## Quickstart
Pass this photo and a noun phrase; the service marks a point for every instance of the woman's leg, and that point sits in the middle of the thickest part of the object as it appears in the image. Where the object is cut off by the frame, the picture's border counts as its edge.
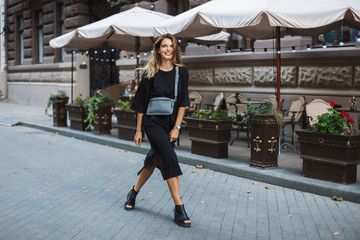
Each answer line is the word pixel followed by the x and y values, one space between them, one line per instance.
pixel 144 176
pixel 174 186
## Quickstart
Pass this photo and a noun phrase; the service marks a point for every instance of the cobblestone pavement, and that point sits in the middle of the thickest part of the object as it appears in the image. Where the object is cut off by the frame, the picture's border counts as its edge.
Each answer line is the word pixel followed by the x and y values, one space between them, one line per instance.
pixel 56 187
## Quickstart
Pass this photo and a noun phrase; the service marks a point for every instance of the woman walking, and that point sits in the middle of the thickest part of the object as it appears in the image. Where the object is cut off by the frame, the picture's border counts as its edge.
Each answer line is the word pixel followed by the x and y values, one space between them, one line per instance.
pixel 159 80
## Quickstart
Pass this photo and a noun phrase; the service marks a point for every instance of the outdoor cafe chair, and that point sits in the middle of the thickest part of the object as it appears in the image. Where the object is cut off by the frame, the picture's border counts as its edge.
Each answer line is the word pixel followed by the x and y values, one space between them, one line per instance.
pixel 295 112
pixel 234 104
pixel 195 102
pixel 294 116
pixel 217 104
pixel 272 99
pixel 315 108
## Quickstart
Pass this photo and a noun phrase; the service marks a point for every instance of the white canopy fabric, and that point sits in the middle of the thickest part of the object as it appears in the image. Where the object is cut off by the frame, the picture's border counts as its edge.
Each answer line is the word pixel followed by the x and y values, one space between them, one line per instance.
pixel 257 19
pixel 121 31
pixel 263 19
pixel 213 39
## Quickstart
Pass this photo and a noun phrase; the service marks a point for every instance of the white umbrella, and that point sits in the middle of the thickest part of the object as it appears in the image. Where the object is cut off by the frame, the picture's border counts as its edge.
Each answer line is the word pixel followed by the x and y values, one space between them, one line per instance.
pixel 213 39
pixel 262 19
pixel 131 30
pixel 120 30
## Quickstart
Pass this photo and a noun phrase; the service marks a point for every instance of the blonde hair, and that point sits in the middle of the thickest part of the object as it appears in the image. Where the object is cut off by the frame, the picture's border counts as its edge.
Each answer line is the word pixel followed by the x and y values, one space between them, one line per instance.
pixel 154 63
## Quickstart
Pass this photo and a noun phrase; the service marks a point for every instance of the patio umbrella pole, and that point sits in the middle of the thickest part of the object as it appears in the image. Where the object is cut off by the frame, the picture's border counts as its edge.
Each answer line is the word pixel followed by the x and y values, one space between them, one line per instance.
pixel 278 73
pixel 72 75
pixel 137 42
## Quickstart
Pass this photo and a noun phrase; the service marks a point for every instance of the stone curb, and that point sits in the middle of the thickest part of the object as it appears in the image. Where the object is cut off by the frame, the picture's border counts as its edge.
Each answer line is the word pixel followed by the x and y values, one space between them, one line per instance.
pixel 273 176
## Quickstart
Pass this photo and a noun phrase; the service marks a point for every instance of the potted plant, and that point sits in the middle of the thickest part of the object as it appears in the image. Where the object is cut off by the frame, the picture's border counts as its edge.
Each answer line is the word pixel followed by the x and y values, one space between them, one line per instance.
pixel 58 102
pixel 330 149
pixel 99 113
pixel 266 123
pixel 126 120
pixel 77 114
pixel 209 133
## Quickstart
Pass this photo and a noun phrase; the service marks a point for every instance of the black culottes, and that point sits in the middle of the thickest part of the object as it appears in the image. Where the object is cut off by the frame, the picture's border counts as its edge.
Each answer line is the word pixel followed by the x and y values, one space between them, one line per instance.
pixel 157 129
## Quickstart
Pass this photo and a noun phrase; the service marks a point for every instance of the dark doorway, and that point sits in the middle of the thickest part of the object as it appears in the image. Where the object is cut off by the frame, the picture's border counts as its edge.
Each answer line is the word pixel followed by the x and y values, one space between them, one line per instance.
pixel 103 70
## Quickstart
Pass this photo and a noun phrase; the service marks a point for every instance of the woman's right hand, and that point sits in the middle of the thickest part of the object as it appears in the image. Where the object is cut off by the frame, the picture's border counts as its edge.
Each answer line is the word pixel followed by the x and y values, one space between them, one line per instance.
pixel 138 138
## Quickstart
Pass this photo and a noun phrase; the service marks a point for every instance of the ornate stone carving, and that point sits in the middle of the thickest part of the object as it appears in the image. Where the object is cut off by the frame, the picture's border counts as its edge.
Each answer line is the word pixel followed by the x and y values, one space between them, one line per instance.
pixel 289 76
pixel 126 76
pixel 201 76
pixel 357 77
pixel 234 75
pixel 266 76
pixel 326 77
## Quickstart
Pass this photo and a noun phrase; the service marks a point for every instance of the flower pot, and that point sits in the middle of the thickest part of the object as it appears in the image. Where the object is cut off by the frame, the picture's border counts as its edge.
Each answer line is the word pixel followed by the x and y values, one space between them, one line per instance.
pixel 329 157
pixel 77 115
pixel 103 119
pixel 208 137
pixel 59 112
pixel 264 141
pixel 126 124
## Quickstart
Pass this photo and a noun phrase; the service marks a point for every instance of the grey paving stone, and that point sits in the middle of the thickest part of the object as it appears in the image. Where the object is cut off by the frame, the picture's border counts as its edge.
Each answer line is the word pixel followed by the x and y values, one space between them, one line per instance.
pixel 76 190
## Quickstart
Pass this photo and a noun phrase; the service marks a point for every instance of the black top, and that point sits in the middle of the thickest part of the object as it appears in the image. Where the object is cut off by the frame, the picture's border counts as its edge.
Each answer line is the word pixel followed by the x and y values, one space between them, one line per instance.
pixel 162 85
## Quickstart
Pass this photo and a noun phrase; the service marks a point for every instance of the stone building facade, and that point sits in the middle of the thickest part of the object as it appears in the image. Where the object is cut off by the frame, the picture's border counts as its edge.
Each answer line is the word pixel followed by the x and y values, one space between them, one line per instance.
pixel 35 69
pixel 3 72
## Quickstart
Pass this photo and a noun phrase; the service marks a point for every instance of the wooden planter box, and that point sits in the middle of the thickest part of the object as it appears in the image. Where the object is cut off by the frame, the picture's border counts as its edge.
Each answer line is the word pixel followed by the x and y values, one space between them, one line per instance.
pixel 126 124
pixel 77 115
pixel 329 157
pixel 59 113
pixel 208 137
pixel 103 118
pixel 264 141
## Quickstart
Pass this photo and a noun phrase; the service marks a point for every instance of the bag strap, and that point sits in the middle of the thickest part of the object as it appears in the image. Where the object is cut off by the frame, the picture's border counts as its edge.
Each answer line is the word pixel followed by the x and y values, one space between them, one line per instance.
pixel 176 83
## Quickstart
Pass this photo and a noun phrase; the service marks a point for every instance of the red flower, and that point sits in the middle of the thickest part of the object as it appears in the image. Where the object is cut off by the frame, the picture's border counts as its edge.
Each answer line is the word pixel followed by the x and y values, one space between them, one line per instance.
pixel 332 103
pixel 343 114
pixel 350 120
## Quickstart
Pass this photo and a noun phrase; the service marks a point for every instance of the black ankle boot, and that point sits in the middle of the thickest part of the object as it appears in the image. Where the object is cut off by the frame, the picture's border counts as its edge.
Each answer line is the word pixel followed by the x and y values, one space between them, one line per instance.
pixel 181 216
pixel 131 199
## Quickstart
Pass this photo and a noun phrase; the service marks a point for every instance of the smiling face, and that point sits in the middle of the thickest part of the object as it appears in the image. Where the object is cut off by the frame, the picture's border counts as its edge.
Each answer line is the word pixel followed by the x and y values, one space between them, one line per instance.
pixel 166 49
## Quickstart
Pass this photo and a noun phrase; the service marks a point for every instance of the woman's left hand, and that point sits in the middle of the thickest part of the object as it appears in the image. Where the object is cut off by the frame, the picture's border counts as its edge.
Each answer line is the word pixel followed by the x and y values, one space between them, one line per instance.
pixel 174 134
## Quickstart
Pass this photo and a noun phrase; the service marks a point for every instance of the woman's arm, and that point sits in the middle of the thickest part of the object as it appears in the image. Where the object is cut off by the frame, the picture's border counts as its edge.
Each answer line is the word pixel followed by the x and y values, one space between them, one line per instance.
pixel 138 135
pixel 174 133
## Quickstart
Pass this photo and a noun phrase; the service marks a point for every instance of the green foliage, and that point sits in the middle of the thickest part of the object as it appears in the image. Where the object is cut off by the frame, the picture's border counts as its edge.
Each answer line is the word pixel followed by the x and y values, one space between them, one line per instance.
pixel 92 104
pixel 206 114
pixel 55 98
pixel 266 107
pixel 124 105
pixel 79 101
pixel 332 122
pixel 250 111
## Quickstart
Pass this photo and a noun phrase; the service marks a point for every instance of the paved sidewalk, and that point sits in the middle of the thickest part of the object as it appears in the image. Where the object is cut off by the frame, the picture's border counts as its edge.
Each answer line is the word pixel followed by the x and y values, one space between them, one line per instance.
pixel 58 187
pixel 288 174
